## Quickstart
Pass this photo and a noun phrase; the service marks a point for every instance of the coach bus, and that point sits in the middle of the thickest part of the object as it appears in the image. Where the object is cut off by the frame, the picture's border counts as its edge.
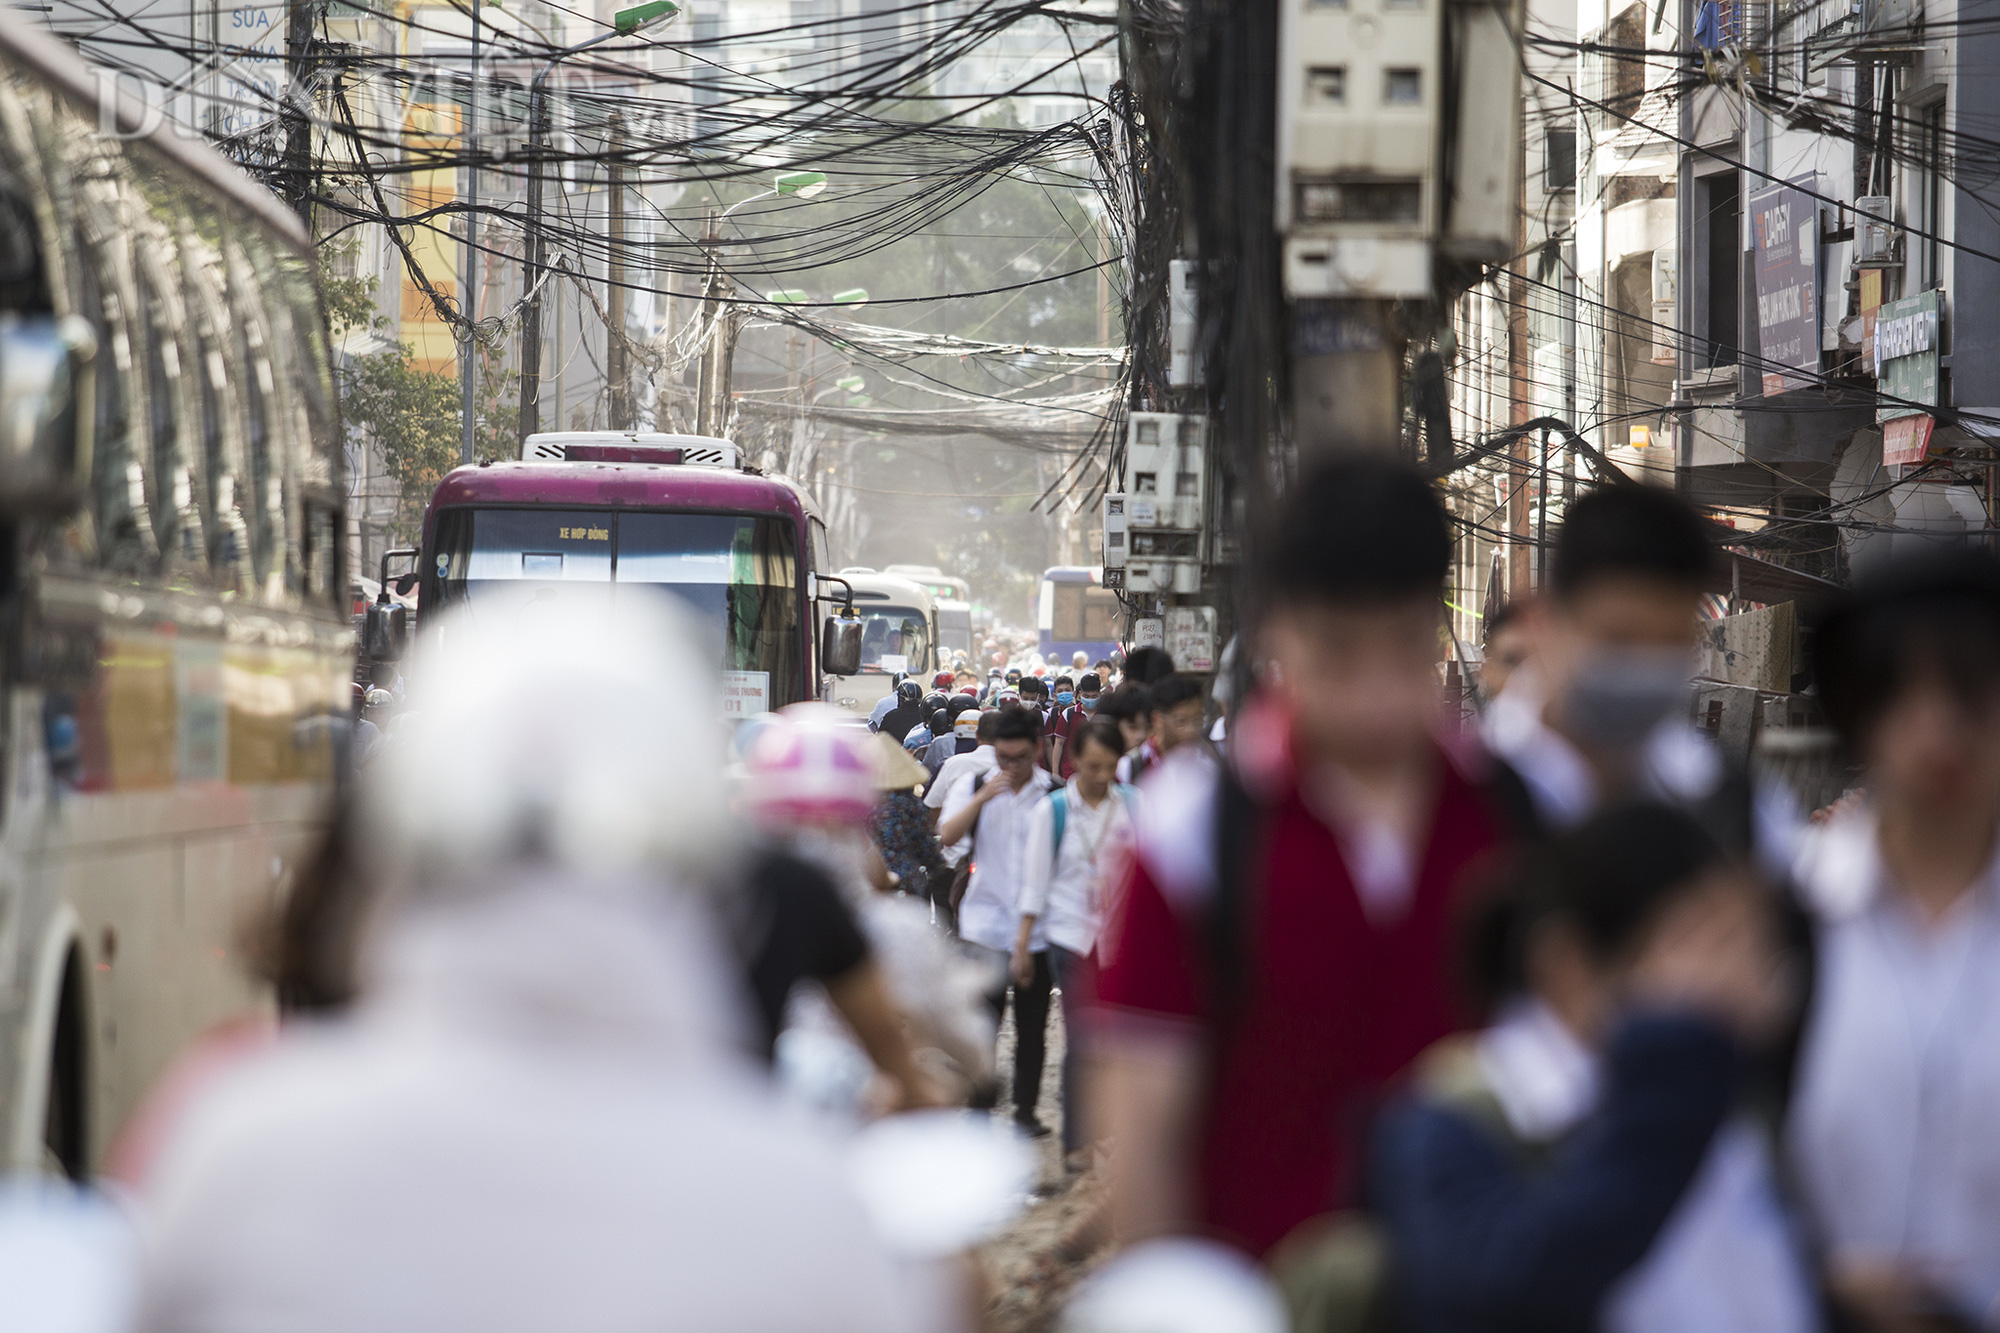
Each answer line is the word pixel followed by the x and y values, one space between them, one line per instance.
pixel 178 644
pixel 899 637
pixel 1076 614
pixel 945 587
pixel 652 513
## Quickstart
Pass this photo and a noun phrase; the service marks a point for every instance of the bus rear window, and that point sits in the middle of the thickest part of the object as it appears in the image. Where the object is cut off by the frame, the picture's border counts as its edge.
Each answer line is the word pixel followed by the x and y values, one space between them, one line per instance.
pixel 1083 614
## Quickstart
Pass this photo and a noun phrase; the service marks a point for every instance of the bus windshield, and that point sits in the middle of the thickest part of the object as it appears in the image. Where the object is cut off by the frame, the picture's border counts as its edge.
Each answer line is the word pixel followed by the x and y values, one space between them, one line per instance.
pixel 893 638
pixel 739 573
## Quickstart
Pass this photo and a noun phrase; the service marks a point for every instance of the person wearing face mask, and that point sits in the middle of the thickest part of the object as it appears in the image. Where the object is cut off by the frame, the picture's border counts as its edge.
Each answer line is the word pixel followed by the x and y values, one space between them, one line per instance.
pixel 1600 709
pixel 1070 718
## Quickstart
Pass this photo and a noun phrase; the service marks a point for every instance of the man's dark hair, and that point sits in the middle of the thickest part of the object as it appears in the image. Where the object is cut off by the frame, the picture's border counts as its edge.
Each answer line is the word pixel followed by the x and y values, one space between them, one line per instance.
pixel 1173 691
pixel 1099 732
pixel 1102 667
pixel 1090 681
pixel 989 723
pixel 1064 682
pixel 1936 613
pixel 1127 701
pixel 1147 665
pixel 1016 723
pixel 1365 530
pixel 1646 531
pixel 1510 613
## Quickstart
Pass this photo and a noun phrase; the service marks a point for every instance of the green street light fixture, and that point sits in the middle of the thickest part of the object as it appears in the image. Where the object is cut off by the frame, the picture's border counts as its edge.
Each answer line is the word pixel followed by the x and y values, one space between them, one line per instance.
pixel 638 16
pixel 804 184
pixel 851 383
pixel 852 296
pixel 624 23
pixel 790 296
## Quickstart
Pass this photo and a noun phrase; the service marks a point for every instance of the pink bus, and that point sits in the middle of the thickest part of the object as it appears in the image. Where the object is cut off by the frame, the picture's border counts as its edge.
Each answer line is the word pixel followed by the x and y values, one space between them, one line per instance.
pixel 647 514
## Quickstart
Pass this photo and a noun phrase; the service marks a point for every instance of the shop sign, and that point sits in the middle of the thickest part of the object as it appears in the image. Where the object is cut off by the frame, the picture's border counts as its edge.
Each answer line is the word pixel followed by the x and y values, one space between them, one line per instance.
pixel 1906 355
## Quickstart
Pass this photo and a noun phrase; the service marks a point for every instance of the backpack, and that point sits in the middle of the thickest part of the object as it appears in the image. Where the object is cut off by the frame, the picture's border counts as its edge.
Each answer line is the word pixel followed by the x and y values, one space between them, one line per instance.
pixel 1060 809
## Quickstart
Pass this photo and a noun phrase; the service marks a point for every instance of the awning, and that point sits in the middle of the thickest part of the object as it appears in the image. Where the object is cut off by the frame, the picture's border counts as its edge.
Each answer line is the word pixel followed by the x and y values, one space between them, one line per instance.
pixel 1753 579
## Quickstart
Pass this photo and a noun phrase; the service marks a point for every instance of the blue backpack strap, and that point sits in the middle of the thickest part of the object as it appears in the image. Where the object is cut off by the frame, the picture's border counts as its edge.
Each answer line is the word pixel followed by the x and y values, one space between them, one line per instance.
pixel 1059 807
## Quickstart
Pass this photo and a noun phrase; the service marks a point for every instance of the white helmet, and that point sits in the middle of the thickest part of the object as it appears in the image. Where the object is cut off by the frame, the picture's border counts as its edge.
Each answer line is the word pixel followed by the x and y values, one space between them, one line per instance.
pixel 572 737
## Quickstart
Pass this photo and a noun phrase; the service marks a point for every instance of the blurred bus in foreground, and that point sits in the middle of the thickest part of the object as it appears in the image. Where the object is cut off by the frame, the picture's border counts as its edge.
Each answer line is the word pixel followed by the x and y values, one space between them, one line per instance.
pixel 176 671
pixel 898 638
pixel 620 514
pixel 1075 613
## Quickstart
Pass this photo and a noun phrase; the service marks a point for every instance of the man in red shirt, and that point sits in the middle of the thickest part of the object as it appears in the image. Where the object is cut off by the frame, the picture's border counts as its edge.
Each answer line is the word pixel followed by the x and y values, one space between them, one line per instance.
pixel 1283 948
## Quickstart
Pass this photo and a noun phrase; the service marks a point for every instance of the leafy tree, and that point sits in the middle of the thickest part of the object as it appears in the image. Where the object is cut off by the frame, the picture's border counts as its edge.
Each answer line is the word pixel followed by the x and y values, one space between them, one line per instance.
pixel 410 415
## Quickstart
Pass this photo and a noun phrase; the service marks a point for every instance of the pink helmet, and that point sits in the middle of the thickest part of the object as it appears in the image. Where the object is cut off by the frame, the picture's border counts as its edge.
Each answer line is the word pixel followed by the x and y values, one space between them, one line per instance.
pixel 811 765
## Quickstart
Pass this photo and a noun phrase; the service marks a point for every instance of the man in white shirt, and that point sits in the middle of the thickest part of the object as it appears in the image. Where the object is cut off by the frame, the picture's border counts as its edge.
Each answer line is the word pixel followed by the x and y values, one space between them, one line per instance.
pixel 994 810
pixel 1067 875
pixel 1895 1123
pixel 958 772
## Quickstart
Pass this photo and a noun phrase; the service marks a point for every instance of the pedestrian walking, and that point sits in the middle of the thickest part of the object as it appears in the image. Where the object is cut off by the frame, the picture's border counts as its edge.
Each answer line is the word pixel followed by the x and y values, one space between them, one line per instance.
pixel 1283 948
pixel 1078 841
pixel 1599 711
pixel 1895 1124
pixel 1583 1162
pixel 994 811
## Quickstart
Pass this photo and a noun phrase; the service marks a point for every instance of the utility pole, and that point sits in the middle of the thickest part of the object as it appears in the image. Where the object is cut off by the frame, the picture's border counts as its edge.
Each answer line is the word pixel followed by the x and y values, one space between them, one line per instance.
pixel 617 368
pixel 1397 160
pixel 468 302
pixel 295 113
pixel 537 257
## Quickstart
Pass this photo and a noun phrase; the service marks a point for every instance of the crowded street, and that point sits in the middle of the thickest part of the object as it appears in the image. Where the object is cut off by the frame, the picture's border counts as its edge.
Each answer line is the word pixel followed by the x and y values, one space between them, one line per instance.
pixel 986 666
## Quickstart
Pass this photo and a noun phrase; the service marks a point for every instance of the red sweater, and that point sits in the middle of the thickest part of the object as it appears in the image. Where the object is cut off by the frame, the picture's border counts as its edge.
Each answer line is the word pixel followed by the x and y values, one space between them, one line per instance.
pixel 1334 1006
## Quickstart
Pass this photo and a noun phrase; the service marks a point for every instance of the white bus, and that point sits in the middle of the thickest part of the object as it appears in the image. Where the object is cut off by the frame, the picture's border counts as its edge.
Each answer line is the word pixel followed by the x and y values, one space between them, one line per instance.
pixel 171 516
pixel 898 638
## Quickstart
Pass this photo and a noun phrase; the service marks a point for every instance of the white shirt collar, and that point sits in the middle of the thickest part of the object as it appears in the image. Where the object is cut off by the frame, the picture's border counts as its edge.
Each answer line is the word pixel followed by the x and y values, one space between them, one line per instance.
pixel 1545 1079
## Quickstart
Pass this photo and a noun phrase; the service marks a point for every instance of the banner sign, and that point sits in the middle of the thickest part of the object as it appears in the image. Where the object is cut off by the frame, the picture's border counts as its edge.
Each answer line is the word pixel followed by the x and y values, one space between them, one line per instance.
pixel 1907 439
pixel 1906 355
pixel 1787 222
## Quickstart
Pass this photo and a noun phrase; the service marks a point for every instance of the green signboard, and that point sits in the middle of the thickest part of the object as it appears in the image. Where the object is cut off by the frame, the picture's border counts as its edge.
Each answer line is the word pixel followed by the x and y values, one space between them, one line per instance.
pixel 1906 355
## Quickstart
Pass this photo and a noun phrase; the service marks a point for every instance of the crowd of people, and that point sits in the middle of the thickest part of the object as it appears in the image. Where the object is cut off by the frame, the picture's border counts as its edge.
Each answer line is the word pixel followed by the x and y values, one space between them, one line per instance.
pixel 1564 1019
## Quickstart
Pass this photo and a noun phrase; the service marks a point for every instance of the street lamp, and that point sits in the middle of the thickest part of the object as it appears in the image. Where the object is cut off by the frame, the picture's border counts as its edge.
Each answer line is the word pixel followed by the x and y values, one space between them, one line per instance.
pixel 624 23
pixel 712 390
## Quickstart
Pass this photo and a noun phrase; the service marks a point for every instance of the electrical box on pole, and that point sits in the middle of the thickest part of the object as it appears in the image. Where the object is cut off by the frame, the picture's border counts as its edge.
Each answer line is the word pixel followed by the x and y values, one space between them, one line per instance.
pixel 1166 511
pixel 1184 366
pixel 1481 152
pixel 1360 87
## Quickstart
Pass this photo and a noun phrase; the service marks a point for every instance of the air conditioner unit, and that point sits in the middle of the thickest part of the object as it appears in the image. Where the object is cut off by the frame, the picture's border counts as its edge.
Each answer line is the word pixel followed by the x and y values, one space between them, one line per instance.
pixel 1874 235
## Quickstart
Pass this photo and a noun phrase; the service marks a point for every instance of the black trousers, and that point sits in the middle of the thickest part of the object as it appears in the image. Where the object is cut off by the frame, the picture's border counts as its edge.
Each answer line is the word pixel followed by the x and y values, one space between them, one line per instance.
pixel 1031 1033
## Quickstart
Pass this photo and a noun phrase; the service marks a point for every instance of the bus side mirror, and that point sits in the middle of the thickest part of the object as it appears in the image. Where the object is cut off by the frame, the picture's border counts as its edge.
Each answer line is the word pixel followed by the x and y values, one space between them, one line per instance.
pixel 840 646
pixel 46 410
pixel 385 632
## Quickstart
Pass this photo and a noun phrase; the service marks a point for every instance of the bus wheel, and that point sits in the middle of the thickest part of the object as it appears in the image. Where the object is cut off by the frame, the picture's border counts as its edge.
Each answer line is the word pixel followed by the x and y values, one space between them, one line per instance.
pixel 65 1141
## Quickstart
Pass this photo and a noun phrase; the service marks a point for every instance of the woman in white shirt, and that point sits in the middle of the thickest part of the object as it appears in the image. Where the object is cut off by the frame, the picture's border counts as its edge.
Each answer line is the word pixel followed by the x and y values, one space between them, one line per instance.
pixel 1076 841
pixel 1896 1121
